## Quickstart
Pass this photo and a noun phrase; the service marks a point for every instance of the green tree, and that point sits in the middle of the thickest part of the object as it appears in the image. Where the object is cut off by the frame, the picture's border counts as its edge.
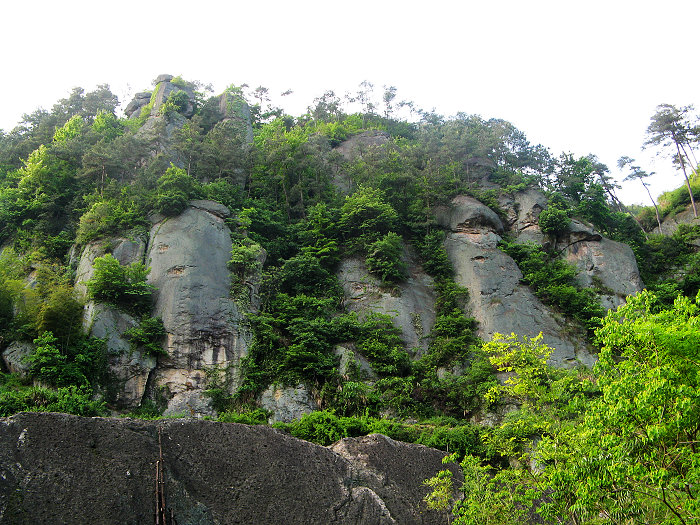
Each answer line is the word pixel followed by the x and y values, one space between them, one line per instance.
pixel 385 258
pixel 670 129
pixel 123 286
pixel 637 173
pixel 634 457
pixel 175 189
pixel 365 215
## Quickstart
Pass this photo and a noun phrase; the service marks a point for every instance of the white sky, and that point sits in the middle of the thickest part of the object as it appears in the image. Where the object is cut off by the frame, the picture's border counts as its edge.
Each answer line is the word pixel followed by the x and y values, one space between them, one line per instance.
pixel 578 76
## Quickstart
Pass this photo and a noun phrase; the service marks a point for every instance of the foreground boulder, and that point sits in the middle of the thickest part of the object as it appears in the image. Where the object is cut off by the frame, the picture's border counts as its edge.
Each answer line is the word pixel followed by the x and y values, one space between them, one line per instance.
pixel 58 468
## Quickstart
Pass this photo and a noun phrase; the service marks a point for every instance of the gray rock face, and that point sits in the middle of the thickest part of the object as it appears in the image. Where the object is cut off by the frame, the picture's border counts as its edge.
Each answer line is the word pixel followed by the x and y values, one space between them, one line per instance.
pixel 412 307
pixel 287 403
pixel 348 359
pixel 394 470
pixel 129 368
pixel 13 357
pixel 133 109
pixel 361 143
pixel 608 266
pixel 499 301
pixel 527 206
pixel 66 469
pixel 468 215
pixel 670 224
pixel 235 110
pixel 188 256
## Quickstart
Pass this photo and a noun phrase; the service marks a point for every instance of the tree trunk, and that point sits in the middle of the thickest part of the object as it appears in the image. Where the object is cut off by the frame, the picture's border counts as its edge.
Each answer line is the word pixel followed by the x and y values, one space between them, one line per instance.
pixel 687 181
pixel 656 208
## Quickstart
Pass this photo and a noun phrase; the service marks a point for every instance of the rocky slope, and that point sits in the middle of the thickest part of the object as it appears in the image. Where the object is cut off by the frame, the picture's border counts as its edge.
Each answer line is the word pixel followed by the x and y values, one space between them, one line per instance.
pixel 58 468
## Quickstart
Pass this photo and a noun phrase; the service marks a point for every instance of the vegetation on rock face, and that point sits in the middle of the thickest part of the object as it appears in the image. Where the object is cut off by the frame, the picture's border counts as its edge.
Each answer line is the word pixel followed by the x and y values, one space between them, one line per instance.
pixel 122 286
pixel 616 443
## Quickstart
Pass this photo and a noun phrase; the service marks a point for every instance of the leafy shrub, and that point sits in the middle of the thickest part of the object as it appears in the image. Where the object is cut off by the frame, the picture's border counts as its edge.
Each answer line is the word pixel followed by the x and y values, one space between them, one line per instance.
pixel 384 258
pixel 109 216
pixel 61 313
pixel 69 400
pixel 84 362
pixel 304 274
pixel 122 286
pixel 50 366
pixel 435 260
pixel 256 416
pixel 175 189
pixel 365 215
pixel 553 221
pixel 148 335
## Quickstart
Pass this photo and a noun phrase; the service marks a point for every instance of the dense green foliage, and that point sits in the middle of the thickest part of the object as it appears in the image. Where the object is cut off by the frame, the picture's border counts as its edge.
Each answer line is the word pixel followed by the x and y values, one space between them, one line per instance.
pixel 616 444
pixel 122 286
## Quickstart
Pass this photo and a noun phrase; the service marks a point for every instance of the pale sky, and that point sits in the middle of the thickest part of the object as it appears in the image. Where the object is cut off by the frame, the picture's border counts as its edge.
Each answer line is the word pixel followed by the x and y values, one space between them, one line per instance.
pixel 576 76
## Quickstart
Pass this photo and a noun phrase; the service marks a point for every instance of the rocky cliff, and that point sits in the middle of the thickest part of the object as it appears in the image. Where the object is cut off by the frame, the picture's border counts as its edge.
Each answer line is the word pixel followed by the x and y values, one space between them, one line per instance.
pixel 206 332
pixel 66 469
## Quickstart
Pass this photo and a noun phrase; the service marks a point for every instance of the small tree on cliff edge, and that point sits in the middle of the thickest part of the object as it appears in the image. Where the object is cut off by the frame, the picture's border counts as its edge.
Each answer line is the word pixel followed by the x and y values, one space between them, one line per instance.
pixel 670 128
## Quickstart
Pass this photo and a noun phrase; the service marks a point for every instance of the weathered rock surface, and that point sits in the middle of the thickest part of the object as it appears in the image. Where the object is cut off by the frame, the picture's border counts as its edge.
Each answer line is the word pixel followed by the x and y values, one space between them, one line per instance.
pixel 287 403
pixel 670 224
pixel 411 306
pixel 607 266
pixel 133 109
pixel 500 302
pixel 393 470
pixel 466 214
pixel 497 298
pixel 65 469
pixel 130 368
pixel 527 207
pixel 13 357
pixel 188 256
pixel 351 362
pixel 235 111
pixel 126 251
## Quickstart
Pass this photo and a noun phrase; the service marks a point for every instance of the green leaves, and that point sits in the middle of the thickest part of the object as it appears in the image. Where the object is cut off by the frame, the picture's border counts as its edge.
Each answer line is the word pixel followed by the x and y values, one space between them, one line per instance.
pixel 122 286
pixel 148 336
pixel 385 259
pixel 365 216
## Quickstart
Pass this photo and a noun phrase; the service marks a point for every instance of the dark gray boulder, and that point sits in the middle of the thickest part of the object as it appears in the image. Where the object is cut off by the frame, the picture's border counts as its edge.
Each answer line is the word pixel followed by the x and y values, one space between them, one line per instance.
pixel 66 469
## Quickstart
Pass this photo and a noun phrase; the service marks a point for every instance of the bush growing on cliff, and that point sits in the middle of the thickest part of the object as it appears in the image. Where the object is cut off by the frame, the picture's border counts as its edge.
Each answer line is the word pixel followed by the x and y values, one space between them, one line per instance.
pixel 122 286
pixel 148 335
pixel 175 189
pixel 553 221
pixel 384 259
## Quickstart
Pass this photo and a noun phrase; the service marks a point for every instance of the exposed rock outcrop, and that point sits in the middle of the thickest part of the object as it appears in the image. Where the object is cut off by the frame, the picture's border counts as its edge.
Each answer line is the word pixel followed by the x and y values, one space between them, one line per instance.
pixel 411 304
pixel 497 298
pixel 66 469
pixel 670 224
pixel 130 369
pixel 606 266
pixel 287 403
pixel 14 357
pixel 188 256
